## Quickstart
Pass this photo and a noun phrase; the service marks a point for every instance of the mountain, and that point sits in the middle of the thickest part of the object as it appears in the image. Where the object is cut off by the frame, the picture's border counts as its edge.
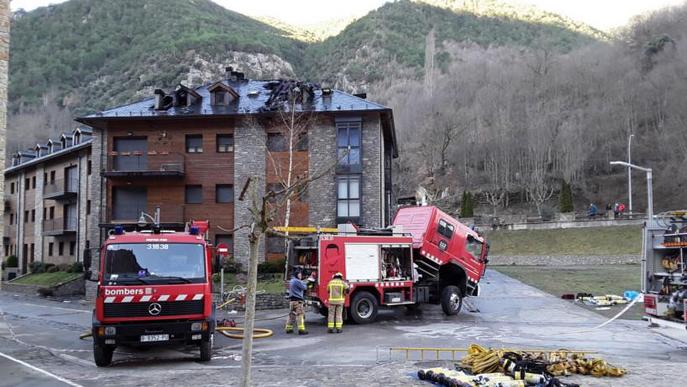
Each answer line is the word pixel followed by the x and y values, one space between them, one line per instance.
pixel 395 35
pixel 91 54
pixel 98 53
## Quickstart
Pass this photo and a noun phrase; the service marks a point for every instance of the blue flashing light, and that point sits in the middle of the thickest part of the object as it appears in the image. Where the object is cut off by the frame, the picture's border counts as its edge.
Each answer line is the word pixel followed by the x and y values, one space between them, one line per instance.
pixel 193 230
pixel 119 230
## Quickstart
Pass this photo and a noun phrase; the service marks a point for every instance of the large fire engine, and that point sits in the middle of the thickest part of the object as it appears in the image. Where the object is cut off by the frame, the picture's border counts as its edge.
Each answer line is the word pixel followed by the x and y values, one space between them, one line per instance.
pixel 664 274
pixel 154 288
pixel 426 256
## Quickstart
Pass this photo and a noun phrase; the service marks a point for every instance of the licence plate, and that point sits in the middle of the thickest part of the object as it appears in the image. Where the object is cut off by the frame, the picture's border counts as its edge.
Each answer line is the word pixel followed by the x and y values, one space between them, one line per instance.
pixel 152 338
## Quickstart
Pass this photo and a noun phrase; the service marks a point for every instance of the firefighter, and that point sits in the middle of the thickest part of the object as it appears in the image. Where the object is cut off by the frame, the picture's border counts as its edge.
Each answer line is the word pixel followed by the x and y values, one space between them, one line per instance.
pixel 297 303
pixel 336 289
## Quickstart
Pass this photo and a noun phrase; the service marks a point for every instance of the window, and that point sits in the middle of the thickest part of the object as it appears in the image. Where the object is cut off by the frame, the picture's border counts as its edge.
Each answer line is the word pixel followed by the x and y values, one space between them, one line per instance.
pixel 32 253
pixel 12 188
pixel 131 154
pixel 276 142
pixel 128 202
pixel 60 248
pixel 7 250
pixel 11 218
pixel 52 177
pixel 45 177
pixel 227 239
pixel 33 182
pixel 194 194
pixel 224 193
pixel 88 207
pixel 348 197
pixel 45 213
pixel 88 166
pixel 225 143
pixel 72 248
pixel 220 98
pixel 348 145
pixel 26 216
pixel 275 245
pixel 445 229
pixel 50 249
pixel 194 143
pixel 33 216
pixel 27 184
pixel 52 212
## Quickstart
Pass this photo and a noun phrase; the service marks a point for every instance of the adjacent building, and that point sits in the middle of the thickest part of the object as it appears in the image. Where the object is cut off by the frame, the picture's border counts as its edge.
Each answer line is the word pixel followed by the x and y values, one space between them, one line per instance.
pixel 47 201
pixel 189 152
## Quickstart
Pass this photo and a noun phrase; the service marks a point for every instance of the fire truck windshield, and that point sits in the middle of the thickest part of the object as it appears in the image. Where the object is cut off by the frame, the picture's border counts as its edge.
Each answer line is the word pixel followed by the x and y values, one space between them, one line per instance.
pixel 154 263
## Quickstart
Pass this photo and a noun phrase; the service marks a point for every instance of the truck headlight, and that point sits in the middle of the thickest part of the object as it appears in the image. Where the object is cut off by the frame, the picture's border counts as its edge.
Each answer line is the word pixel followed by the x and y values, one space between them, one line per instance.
pixel 110 331
pixel 196 326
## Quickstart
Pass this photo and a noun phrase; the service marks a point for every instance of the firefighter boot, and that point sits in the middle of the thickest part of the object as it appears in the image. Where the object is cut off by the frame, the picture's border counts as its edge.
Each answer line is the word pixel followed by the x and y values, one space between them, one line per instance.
pixel 338 330
pixel 303 332
pixel 330 330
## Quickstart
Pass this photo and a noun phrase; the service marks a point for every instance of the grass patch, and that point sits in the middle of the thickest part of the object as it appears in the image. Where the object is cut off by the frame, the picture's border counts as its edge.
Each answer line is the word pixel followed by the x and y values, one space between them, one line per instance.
pixel 47 279
pixel 598 280
pixel 271 286
pixel 623 240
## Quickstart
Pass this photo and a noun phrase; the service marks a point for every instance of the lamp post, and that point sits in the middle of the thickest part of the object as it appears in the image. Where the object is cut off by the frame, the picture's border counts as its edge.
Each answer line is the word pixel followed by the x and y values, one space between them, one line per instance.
pixel 649 183
pixel 629 173
pixel 649 214
pixel 156 219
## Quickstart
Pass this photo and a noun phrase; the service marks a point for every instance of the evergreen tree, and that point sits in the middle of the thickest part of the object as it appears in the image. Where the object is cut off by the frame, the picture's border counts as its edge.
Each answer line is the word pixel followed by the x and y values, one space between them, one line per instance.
pixel 566 201
pixel 467 205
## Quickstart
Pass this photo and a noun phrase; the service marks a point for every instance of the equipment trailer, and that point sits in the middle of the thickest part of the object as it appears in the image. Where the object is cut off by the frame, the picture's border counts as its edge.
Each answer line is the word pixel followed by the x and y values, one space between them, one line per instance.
pixel 426 256
pixel 664 274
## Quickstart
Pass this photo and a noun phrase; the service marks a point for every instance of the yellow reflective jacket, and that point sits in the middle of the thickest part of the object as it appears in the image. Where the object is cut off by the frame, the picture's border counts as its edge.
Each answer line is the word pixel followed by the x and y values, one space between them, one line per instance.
pixel 337 291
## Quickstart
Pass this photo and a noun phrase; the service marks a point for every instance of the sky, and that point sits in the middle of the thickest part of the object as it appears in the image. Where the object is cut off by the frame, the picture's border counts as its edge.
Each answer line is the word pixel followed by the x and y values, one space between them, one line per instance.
pixel 602 14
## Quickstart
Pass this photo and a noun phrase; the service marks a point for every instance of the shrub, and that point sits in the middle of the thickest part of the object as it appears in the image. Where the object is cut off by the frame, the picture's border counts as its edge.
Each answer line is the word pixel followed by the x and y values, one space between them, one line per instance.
pixel 216 277
pixel 62 267
pixel 53 269
pixel 231 266
pixel 76 267
pixel 12 261
pixel 566 200
pixel 467 205
pixel 272 266
pixel 37 267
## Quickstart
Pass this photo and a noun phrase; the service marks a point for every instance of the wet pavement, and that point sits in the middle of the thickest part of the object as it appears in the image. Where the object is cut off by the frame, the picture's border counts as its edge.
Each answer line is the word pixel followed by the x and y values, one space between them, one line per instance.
pixel 45 334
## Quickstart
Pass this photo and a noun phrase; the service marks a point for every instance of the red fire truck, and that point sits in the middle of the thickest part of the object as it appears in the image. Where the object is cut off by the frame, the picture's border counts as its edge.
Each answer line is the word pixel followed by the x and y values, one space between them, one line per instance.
pixel 426 256
pixel 154 288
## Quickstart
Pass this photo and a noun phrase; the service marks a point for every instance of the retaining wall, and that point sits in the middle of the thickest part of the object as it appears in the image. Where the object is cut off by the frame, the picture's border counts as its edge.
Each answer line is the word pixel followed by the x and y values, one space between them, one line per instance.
pixel 565 260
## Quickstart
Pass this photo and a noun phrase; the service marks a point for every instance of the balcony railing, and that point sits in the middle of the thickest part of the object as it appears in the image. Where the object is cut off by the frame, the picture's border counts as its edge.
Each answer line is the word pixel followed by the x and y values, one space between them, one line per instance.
pixel 170 215
pixel 144 164
pixel 61 189
pixel 59 226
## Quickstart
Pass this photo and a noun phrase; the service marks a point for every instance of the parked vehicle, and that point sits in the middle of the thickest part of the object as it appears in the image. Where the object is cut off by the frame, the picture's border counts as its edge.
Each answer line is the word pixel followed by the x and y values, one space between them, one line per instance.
pixel 154 288
pixel 426 256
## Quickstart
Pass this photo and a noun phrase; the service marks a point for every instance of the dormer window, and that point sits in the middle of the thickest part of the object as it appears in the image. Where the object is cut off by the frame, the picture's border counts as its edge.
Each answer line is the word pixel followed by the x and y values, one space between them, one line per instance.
pixel 222 94
pixel 77 137
pixel 51 146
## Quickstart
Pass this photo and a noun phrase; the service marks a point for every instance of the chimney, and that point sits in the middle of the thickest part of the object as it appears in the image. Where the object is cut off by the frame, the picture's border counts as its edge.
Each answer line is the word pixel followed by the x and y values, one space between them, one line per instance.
pixel 361 95
pixel 227 71
pixel 240 76
pixel 159 95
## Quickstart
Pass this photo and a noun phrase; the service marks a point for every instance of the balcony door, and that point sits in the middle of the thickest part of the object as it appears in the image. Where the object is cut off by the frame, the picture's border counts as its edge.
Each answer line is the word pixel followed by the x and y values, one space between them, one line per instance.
pixel 70 217
pixel 132 153
pixel 128 203
pixel 71 179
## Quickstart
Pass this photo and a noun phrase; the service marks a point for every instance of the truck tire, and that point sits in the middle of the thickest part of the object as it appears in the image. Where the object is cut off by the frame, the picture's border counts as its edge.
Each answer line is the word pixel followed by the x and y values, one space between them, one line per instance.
pixel 206 348
pixel 323 311
pixel 102 355
pixel 364 308
pixel 451 300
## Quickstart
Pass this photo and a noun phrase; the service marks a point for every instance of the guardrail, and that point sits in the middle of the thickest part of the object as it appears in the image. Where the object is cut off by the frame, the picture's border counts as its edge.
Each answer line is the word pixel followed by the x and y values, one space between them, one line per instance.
pixel 145 162
pixel 59 225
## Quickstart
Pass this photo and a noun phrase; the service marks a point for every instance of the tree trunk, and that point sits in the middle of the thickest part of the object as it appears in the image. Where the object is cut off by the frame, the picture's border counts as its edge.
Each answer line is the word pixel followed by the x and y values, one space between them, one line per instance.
pixel 249 319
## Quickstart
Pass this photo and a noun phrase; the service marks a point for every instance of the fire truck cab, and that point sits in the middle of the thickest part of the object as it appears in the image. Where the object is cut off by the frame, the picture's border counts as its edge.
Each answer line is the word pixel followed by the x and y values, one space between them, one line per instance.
pixel 154 288
pixel 426 256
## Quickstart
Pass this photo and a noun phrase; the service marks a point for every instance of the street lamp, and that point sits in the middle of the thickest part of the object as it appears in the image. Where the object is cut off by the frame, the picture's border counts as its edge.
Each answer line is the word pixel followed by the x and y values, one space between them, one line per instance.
pixel 629 173
pixel 649 190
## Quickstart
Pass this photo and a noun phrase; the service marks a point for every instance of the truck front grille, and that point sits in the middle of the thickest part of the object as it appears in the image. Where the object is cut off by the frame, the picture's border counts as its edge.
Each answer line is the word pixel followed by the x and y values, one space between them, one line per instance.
pixel 141 309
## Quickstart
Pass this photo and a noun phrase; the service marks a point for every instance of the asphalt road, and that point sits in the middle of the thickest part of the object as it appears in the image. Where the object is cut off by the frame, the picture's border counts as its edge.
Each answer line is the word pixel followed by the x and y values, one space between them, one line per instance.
pixel 44 334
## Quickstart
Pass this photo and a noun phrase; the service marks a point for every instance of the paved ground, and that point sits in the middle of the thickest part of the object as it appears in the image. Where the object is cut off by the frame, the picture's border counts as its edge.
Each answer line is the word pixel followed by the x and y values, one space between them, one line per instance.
pixel 45 334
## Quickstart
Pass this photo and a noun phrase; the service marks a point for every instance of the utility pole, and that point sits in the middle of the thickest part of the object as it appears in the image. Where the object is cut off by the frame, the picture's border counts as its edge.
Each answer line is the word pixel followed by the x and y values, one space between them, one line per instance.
pixel 629 173
pixel 4 70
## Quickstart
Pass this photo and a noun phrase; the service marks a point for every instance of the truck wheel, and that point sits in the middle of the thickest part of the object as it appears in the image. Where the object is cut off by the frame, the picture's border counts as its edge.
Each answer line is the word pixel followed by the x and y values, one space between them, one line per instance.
pixel 102 355
pixel 206 348
pixel 451 300
pixel 364 308
pixel 323 311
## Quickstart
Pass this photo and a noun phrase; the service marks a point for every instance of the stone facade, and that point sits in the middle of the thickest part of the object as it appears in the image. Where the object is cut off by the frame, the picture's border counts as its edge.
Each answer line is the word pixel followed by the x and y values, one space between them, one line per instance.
pixel 249 161
pixel 4 66
pixel 372 178
pixel 322 159
pixel 95 192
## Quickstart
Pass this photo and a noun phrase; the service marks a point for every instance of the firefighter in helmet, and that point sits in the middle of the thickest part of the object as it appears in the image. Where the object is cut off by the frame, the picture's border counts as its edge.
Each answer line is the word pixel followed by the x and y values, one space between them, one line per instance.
pixel 336 289
pixel 297 303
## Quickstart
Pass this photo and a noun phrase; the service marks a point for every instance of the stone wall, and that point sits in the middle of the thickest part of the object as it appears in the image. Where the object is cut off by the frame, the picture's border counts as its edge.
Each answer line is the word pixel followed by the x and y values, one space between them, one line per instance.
pixel 4 65
pixel 249 161
pixel 268 301
pixel 567 260
pixel 322 156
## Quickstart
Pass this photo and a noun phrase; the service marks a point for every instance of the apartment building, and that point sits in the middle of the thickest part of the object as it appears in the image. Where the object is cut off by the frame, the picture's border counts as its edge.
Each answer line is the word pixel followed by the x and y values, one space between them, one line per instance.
pixel 47 200
pixel 189 152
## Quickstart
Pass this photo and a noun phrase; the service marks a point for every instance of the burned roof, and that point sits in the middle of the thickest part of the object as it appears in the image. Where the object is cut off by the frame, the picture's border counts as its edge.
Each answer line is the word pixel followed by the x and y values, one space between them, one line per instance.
pixel 255 96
